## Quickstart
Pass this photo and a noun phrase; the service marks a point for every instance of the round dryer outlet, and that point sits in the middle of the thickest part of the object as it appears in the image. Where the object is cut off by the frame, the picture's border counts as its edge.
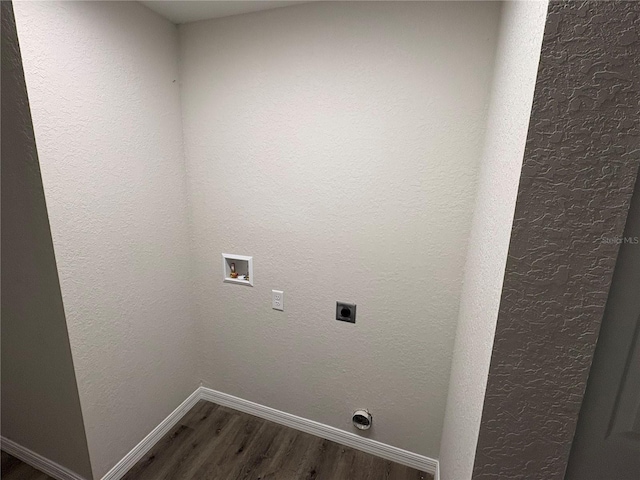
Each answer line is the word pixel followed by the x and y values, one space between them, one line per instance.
pixel 362 419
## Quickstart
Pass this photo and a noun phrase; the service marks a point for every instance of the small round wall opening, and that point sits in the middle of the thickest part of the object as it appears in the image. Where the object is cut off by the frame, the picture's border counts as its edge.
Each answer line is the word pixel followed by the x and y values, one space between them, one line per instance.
pixel 362 419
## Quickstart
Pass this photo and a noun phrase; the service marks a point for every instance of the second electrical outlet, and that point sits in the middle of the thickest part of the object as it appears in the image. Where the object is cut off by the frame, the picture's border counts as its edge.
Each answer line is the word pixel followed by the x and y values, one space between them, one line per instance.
pixel 277 299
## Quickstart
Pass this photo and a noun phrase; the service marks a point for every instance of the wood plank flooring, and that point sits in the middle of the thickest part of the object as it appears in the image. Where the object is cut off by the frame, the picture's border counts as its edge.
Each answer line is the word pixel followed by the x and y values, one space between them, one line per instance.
pixel 213 442
pixel 14 469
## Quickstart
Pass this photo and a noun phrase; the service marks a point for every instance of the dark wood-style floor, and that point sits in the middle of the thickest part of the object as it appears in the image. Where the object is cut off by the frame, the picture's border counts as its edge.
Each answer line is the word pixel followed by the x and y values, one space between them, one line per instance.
pixel 14 469
pixel 215 442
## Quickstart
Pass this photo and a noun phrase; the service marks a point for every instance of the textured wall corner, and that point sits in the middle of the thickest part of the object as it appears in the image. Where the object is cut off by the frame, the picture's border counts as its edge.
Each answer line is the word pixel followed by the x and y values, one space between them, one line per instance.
pixel 580 165
pixel 338 144
pixel 103 91
pixel 40 404
pixel 516 68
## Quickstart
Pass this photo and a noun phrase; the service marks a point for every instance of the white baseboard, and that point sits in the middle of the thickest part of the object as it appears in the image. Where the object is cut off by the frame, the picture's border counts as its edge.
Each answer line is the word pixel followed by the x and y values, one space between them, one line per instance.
pixel 141 449
pixel 38 461
pixel 327 432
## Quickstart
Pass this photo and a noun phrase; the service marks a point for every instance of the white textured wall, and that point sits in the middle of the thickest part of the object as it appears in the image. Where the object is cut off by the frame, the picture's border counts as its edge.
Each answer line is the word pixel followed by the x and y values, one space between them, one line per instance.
pixel 40 404
pixel 102 81
pixel 517 56
pixel 337 143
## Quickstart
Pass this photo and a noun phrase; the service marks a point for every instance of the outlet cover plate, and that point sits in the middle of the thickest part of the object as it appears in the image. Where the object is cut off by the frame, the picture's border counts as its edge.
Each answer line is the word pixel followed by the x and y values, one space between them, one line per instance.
pixel 346 312
pixel 277 300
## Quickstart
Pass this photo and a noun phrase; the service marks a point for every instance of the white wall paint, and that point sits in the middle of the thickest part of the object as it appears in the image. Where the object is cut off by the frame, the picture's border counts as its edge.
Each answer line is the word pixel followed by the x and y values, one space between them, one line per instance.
pixel 102 80
pixel 518 53
pixel 191 11
pixel 40 404
pixel 337 143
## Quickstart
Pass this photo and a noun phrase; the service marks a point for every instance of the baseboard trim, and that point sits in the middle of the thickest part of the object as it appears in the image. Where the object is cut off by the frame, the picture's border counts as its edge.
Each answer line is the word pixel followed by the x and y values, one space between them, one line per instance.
pixel 147 443
pixel 37 461
pixel 321 430
pixel 327 432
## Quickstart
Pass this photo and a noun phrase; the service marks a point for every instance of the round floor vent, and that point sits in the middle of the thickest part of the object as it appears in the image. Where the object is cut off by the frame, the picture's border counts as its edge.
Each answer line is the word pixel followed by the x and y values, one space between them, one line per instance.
pixel 362 419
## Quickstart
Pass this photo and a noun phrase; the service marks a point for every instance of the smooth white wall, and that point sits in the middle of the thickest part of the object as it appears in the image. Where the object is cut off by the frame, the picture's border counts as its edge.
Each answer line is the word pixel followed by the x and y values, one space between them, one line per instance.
pixel 103 86
pixel 521 28
pixel 338 143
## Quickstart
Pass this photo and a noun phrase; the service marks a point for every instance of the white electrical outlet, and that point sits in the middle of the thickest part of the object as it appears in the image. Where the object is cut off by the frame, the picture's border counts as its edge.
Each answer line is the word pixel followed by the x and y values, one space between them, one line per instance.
pixel 277 299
